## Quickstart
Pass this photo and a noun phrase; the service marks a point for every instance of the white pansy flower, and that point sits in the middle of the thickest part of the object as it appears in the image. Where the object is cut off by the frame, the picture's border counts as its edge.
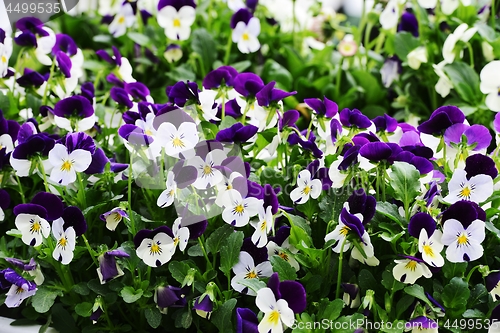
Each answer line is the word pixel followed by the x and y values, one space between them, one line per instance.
pixel 177 24
pixel 431 248
pixel 245 35
pixel 65 242
pixel 410 270
pixel 306 187
pixel 246 269
pixel 464 244
pixel 476 189
pixel 66 165
pixel 238 211
pixel 33 228
pixel 276 313
pixel 177 140
pixel 417 57
pixel 157 251
pixel 263 226
pixel 123 20
pixel 462 33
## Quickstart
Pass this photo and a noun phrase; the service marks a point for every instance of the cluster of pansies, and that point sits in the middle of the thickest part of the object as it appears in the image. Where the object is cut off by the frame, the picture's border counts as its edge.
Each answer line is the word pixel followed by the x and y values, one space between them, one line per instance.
pixel 231 203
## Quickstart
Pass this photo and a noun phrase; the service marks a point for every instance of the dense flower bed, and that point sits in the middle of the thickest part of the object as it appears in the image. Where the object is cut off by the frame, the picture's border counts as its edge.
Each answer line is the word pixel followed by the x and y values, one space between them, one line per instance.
pixel 196 194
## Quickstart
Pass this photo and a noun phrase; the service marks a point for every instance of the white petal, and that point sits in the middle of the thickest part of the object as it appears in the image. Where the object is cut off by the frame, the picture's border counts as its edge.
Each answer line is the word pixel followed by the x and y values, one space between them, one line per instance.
pixel 245 263
pixel 286 314
pixel 316 188
pixel 166 16
pixel 298 197
pixel 265 300
pixel 483 188
pixel 451 229
pixel 81 159
pixel 476 230
pixel 58 155
pixel 493 102
pixel 264 269
pixel 187 15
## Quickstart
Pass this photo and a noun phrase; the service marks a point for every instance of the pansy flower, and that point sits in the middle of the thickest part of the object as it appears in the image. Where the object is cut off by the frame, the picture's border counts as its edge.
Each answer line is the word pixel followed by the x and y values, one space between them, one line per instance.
pixel 179 177
pixel 122 64
pixel 422 324
pixel 477 188
pixel 306 187
pixel 410 269
pixel 464 242
pixel 176 17
pixel 173 53
pixel 108 267
pixel 5 53
pixel 74 113
pixel 442 118
pixel 279 302
pixel 31 222
pixel 67 163
pixel 490 84
pixel 351 295
pixel 246 319
pixel 65 242
pixel 20 288
pixel 31 32
pixel 180 235
pixel 113 218
pixel 280 246
pixel 124 19
pixel 461 34
pixel 32 268
pixel 246 29
pixel 176 140
pixel 263 226
pixel 246 269
pixel 154 247
pixel 169 296
pixel 239 210
pixel 208 174
pixel 423 227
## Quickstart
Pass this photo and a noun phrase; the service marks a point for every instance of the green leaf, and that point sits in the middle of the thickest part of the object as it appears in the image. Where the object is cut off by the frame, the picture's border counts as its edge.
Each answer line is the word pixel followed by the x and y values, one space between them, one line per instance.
pixel 178 270
pixel 391 211
pixel 418 292
pixel 451 269
pixel 181 73
pixel 371 87
pixel 229 253
pixel 221 317
pixel 195 251
pixel 153 316
pixel 348 324
pixel 455 294
pixel 405 182
pixel 390 283
pixel 254 284
pixel 130 295
pixel 84 309
pixel 81 289
pixel 331 311
pixel 227 122
pixel 273 71
pixel 242 65
pixel 203 43
pixel 62 320
pixel 465 81
pixel 139 38
pixel 44 298
pixel 217 238
pixel 404 43
pixel 283 268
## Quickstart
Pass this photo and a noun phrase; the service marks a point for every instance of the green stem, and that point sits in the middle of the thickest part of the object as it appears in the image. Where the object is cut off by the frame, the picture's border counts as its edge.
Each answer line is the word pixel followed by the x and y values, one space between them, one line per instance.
pixel 228 50
pixel 82 189
pixel 471 54
pixel 492 15
pixel 20 186
pixel 470 273
pixel 130 212
pixel 46 90
pixel 87 245
pixel 42 170
pixel 339 273
pixel 202 246
pixel 338 78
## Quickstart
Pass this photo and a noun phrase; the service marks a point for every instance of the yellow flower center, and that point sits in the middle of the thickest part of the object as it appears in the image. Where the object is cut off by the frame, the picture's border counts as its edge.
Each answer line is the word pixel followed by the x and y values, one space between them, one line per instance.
pixel 177 23
pixel 4 59
pixel 62 242
pixel 19 290
pixel 306 190
pixel 283 255
pixel 239 209
pixel 171 193
pixel 177 143
pixel 428 250
pixel 121 20
pixel 245 36
pixel 462 239
pixel 411 265
pixel 35 226
pixel 176 241
pixel 148 132
pixel 274 317
pixel 229 187
pixel 66 166
pixel 344 230
pixel 465 192
pixel 155 249
pixel 251 275
pixel 117 217
pixel 263 225
pixel 207 170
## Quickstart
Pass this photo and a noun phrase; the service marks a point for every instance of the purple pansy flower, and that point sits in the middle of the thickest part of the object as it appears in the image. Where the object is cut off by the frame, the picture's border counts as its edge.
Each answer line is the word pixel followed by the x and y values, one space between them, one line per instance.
pixel 108 268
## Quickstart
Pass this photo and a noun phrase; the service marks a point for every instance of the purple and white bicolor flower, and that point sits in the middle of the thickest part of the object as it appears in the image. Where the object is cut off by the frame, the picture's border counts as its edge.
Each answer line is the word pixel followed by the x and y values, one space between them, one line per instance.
pixel 262 227
pixel 169 296
pixel 155 247
pixel 67 163
pixel 176 140
pixel 493 285
pixel 108 267
pixel 283 251
pixel 277 313
pixel 176 18
pixel 181 235
pixel 31 32
pixel 123 67
pixel 5 53
pixel 477 188
pixel 31 222
pixel 32 268
pixel 20 288
pixel 65 242
pixel 423 226
pixel 410 269
pixel 464 243
pixel 208 174
pixel 74 113
pixel 246 29
pixel 238 210
pixel 246 269
pixel 113 218
pixel 168 195
pixel 124 19
pixel 306 187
